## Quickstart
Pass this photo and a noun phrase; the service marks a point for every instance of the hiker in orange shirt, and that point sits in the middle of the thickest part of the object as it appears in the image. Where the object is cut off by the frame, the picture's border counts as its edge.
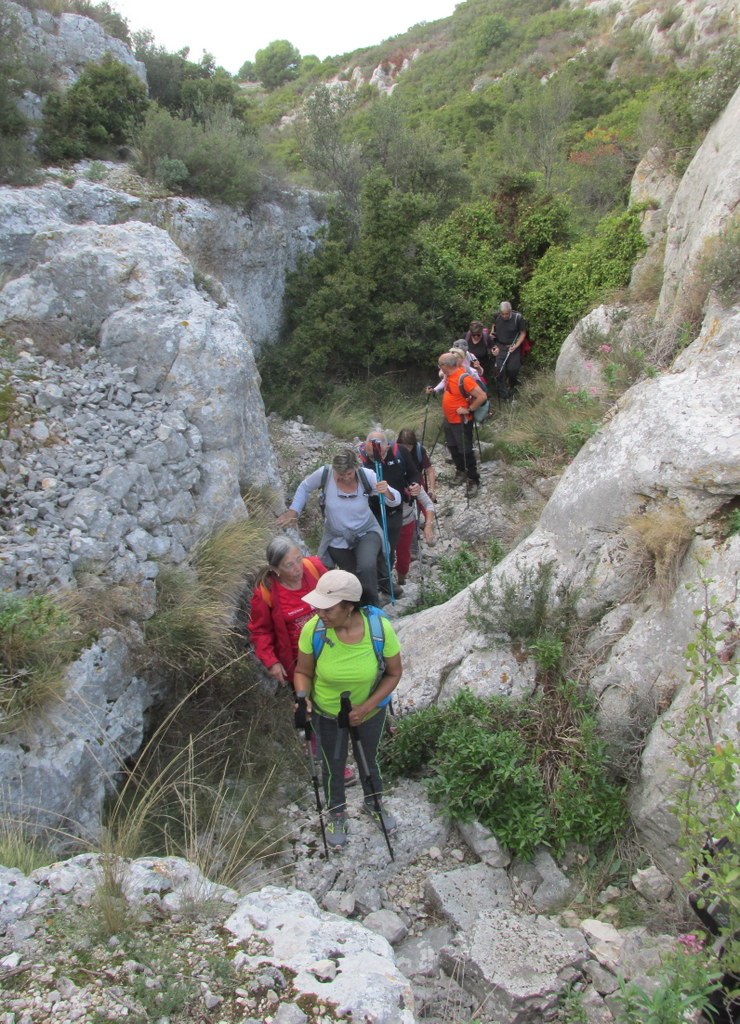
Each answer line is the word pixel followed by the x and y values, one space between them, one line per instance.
pixel 459 400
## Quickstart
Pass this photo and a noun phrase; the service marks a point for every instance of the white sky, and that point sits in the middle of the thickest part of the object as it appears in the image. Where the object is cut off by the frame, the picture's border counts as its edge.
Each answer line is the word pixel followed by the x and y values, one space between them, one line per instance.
pixel 233 32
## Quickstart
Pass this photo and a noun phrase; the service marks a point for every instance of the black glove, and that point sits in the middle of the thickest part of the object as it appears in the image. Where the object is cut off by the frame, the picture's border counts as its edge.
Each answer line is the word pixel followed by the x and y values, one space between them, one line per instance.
pixel 300 717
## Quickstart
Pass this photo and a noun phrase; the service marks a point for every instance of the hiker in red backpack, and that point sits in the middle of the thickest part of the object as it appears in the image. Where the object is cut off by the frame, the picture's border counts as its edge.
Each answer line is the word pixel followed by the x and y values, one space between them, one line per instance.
pixel 278 613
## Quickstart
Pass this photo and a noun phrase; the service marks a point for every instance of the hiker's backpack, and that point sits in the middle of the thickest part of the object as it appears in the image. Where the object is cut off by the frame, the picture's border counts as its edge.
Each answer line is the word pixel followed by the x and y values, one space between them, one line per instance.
pixel 265 590
pixel 367 486
pixel 375 618
pixel 526 346
pixel 481 413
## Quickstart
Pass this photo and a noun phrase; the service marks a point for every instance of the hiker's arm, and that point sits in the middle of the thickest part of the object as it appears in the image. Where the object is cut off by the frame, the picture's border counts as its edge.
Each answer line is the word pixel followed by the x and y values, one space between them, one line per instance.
pixel 426 503
pixel 385 688
pixel 303 675
pixel 477 398
pixel 391 495
pixel 297 505
pixel 262 635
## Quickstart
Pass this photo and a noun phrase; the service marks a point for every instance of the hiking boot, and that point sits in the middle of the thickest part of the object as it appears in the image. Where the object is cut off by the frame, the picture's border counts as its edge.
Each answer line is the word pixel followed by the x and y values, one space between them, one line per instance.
pixel 336 831
pixel 401 580
pixel 388 820
pixel 472 488
pixel 397 592
pixel 350 776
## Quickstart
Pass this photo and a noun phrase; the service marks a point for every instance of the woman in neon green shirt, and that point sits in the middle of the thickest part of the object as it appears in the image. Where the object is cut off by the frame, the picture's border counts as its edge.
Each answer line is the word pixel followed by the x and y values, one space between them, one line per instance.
pixel 346 661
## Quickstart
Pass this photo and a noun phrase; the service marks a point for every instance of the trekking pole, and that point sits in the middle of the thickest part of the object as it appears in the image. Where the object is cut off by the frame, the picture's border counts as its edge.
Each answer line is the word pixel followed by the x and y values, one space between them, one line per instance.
pixel 367 782
pixel 439 434
pixel 384 519
pixel 465 462
pixel 424 426
pixel 302 721
pixel 477 437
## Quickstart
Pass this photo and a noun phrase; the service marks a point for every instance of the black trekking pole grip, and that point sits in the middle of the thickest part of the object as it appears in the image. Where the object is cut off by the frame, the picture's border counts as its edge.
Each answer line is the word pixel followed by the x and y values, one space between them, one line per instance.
pixel 300 715
pixel 345 706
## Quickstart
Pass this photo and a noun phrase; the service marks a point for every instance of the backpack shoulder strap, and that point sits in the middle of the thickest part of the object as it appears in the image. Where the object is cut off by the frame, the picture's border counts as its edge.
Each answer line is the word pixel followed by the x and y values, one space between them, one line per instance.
pixel 318 640
pixel 375 618
pixel 311 568
pixel 365 480
pixel 419 454
pixel 322 490
pixel 265 595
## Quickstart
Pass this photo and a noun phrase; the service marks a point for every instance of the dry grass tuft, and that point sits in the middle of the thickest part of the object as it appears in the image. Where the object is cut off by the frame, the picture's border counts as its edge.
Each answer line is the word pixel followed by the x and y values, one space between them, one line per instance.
pixel 658 539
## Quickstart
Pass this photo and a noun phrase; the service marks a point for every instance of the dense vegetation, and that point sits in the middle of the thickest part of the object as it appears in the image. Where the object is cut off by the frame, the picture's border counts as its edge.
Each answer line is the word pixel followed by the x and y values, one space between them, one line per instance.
pixel 498 168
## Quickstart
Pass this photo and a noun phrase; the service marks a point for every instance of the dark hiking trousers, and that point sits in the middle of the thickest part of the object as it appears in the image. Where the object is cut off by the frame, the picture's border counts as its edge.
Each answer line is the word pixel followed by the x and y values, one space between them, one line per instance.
pixel 459 441
pixel 506 380
pixel 333 745
pixel 362 560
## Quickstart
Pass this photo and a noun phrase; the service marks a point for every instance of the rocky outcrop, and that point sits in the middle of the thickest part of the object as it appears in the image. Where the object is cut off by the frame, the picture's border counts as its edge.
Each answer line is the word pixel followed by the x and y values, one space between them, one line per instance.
pixel 706 199
pixel 236 256
pixel 60 45
pixel 58 768
pixel 676 31
pixel 127 291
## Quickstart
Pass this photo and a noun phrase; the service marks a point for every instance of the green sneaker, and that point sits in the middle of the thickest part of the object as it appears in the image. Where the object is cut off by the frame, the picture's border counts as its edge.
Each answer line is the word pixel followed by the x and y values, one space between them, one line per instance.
pixel 336 830
pixel 388 820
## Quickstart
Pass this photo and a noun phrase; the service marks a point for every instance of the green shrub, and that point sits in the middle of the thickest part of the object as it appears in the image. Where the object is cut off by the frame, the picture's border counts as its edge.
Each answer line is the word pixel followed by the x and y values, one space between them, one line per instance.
pixel 103 108
pixel 16 161
pixel 720 264
pixel 216 158
pixel 277 63
pixel 533 772
pixel 567 283
pixel 457 571
pixel 529 610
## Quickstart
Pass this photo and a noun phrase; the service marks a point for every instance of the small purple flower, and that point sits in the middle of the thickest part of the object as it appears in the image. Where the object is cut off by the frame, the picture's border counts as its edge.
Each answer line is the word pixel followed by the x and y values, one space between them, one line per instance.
pixel 605 348
pixel 691 943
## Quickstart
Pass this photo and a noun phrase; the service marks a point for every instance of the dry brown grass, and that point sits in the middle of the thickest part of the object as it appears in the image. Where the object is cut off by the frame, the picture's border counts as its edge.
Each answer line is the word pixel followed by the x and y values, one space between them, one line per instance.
pixel 658 540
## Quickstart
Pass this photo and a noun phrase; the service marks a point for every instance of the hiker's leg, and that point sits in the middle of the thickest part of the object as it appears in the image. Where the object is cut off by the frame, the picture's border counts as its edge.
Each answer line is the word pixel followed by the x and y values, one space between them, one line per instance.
pixel 513 367
pixel 453 440
pixel 366 561
pixel 470 464
pixel 333 759
pixel 394 522
pixel 370 733
pixel 502 384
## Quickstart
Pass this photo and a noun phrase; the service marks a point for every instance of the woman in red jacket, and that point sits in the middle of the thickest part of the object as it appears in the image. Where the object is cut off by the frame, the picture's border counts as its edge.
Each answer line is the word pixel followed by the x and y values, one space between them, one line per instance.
pixel 278 612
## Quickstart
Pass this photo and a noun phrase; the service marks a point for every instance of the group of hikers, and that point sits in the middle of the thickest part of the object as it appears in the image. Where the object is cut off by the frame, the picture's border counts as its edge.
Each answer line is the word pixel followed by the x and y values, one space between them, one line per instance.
pixel 316 623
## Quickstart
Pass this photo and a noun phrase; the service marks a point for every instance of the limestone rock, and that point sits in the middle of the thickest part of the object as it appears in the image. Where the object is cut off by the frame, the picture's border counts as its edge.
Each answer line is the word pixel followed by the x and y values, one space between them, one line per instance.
pixel 707 197
pixel 460 896
pixel 514 966
pixel 367 985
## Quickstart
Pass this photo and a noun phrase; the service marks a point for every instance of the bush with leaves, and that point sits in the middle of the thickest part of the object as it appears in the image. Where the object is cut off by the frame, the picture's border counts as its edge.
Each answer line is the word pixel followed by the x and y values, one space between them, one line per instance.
pixel 569 281
pixel 217 158
pixel 102 109
pixel 532 773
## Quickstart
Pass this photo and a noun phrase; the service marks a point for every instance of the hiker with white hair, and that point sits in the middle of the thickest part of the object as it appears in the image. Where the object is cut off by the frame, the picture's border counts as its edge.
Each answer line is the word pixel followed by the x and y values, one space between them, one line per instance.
pixel 509 333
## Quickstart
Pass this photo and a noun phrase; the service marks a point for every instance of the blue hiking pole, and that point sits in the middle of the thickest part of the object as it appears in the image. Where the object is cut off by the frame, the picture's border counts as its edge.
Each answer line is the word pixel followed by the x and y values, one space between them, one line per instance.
pixel 384 519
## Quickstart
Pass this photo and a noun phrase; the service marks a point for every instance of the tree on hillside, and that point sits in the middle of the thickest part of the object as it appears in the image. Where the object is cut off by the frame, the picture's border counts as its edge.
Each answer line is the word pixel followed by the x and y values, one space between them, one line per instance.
pixel 540 122
pixel 328 146
pixel 277 63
